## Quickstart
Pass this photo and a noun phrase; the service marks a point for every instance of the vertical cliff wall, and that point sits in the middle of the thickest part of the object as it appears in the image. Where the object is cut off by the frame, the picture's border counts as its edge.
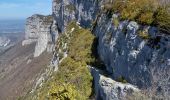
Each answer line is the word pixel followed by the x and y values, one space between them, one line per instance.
pixel 83 11
pixel 143 62
pixel 39 29
pixel 138 53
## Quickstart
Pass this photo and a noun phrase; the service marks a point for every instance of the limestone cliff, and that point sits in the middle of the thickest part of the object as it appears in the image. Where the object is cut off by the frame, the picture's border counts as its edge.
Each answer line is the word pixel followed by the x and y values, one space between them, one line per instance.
pixel 138 53
pixel 84 12
pixel 123 51
pixel 126 53
pixel 39 29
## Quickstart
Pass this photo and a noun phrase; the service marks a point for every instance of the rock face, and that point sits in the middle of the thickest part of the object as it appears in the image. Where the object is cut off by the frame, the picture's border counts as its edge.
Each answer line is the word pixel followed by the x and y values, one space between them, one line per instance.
pixel 82 11
pixel 108 89
pixel 141 57
pixel 39 29
pixel 143 62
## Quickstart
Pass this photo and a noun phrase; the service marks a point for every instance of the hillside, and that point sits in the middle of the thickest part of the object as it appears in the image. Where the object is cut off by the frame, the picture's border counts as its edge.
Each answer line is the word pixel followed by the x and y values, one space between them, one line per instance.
pixel 94 49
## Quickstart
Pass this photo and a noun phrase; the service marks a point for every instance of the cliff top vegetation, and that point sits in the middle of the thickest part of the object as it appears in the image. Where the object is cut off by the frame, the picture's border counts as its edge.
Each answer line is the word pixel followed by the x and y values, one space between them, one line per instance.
pixel 146 12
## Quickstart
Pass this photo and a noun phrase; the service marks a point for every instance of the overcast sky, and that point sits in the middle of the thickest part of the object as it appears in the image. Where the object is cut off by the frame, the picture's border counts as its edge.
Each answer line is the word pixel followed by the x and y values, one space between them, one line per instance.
pixel 21 9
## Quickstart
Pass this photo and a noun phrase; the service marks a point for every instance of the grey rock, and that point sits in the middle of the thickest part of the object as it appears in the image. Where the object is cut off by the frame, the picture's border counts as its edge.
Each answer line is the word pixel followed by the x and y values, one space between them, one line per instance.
pixel 40 29
pixel 81 11
pixel 108 89
pixel 143 62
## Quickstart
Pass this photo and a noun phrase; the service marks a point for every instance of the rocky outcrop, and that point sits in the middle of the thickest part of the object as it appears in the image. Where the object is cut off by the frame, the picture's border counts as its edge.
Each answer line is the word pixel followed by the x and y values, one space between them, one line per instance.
pixel 39 29
pixel 108 89
pixel 138 53
pixel 123 49
pixel 143 61
pixel 84 12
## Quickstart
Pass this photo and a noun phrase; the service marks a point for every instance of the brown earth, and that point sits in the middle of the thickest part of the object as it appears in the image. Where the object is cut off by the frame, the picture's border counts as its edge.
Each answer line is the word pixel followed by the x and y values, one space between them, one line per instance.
pixel 19 70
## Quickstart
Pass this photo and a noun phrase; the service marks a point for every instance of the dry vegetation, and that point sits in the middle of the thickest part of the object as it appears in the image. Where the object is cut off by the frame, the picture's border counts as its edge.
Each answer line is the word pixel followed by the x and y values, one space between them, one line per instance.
pixel 146 12
pixel 73 80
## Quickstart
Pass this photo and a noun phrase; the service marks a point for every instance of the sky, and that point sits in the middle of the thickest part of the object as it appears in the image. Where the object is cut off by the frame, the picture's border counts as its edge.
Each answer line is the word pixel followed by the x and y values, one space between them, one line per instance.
pixel 21 9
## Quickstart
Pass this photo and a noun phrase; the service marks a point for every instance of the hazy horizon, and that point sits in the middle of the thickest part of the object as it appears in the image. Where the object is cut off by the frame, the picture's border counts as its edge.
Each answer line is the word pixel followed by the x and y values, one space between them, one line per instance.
pixel 22 9
pixel 12 26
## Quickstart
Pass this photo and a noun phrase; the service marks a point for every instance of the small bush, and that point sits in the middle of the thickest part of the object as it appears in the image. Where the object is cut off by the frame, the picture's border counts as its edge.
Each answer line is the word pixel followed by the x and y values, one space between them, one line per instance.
pixel 146 18
pixel 163 19
pixel 116 22
pixel 143 34
pixel 80 45
pixel 121 79
pixel 62 92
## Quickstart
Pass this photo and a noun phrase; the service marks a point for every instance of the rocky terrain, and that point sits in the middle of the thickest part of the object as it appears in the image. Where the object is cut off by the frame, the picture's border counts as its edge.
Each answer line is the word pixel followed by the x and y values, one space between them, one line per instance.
pixel 127 53
pixel 22 63
pixel 122 50
pixel 18 71
pixel 84 51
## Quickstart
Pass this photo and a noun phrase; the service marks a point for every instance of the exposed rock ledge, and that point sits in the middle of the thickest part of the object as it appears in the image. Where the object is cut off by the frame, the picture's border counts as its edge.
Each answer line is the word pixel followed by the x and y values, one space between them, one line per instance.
pixel 38 29
pixel 108 89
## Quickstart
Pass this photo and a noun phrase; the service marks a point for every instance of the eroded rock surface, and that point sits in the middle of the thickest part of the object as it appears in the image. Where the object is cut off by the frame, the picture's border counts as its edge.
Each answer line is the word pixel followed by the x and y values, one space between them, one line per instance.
pixel 108 89
pixel 84 12
pixel 143 62
pixel 39 30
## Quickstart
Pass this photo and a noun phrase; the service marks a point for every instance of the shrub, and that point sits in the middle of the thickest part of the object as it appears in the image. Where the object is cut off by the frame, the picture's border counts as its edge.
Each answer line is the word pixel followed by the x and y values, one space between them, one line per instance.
pixel 146 18
pixel 147 12
pixel 163 19
pixel 143 34
pixel 62 92
pixel 77 75
pixel 80 45
pixel 128 14
pixel 121 79
pixel 116 22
